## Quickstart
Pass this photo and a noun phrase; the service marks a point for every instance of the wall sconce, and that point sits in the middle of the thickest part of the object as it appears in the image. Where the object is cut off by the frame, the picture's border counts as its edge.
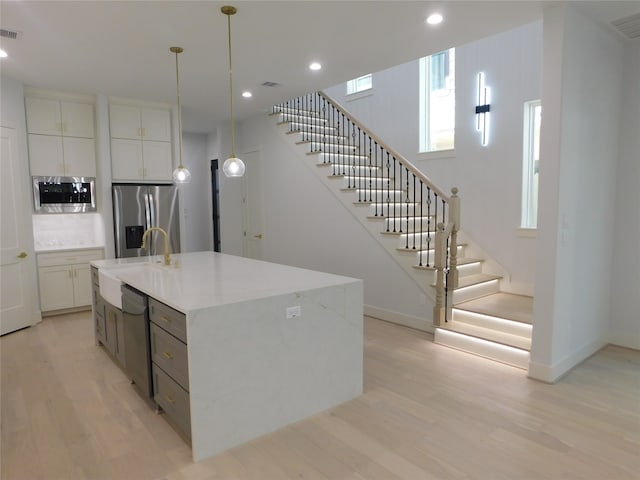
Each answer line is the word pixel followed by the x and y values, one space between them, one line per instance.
pixel 482 109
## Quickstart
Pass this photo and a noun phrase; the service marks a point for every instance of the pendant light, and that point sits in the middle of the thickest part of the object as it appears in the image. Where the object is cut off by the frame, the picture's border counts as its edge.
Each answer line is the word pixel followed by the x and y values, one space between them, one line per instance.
pixel 180 174
pixel 233 166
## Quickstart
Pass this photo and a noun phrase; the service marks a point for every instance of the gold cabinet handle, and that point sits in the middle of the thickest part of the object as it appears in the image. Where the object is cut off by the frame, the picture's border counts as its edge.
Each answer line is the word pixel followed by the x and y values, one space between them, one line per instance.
pixel 165 318
pixel 22 255
pixel 258 236
pixel 170 399
pixel 167 355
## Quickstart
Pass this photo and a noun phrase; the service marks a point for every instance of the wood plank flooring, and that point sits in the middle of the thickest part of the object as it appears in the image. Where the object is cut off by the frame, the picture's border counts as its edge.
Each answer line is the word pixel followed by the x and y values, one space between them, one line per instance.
pixel 428 412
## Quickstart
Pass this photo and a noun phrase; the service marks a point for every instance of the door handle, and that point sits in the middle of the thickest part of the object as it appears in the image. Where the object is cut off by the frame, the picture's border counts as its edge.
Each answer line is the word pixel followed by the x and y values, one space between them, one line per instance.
pixel 258 236
pixel 22 255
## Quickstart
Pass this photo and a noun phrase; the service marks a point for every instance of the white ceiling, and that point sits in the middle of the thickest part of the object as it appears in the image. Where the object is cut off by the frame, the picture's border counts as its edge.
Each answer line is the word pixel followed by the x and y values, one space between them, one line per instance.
pixel 121 48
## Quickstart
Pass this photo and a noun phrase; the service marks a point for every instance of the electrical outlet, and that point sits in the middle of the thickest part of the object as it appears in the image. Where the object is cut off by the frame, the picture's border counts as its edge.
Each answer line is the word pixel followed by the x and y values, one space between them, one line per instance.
pixel 294 312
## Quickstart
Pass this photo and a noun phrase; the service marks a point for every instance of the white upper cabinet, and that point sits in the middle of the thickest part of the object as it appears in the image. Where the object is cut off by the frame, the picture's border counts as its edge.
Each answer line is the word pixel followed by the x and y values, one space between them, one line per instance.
pixel 60 137
pixel 140 123
pixel 61 118
pixel 141 148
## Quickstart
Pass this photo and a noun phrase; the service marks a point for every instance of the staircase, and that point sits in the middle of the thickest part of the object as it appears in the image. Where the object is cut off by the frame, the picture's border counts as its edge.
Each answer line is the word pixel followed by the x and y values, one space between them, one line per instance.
pixel 402 209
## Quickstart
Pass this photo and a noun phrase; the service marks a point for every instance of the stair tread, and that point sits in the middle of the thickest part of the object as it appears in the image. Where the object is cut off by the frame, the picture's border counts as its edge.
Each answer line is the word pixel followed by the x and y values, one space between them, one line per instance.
pixel 514 307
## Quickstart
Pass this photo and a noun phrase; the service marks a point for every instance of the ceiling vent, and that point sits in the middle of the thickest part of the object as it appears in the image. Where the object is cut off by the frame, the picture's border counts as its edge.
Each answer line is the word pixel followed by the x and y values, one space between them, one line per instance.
pixel 628 26
pixel 13 35
pixel 270 84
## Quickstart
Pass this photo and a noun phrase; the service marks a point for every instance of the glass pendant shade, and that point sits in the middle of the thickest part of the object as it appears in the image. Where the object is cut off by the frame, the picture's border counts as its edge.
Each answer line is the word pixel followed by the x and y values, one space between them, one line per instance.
pixel 233 167
pixel 181 175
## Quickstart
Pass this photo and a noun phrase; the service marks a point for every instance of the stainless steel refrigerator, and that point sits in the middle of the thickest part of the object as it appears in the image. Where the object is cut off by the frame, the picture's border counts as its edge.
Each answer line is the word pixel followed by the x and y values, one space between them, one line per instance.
pixel 139 207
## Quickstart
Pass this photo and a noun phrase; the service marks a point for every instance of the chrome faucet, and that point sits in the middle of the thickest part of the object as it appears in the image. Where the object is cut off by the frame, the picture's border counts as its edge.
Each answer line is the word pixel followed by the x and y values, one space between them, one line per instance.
pixel 167 256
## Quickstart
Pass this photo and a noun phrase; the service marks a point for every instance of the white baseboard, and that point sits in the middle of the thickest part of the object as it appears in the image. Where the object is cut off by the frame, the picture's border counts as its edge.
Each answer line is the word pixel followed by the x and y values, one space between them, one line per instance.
pixel 423 324
pixel 626 341
pixel 552 373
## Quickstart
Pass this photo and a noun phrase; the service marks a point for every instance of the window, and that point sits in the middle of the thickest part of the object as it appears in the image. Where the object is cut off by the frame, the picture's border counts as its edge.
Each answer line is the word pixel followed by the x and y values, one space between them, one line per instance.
pixel 437 101
pixel 360 84
pixel 531 158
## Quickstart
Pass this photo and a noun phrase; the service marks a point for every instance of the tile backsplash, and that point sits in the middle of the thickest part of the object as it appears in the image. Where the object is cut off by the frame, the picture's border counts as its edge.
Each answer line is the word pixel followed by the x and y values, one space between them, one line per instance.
pixel 61 231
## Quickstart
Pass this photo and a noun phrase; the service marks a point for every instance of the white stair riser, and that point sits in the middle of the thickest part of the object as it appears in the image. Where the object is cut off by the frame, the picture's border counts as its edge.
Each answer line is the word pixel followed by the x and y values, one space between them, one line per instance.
pixel 297 126
pixel 330 150
pixel 296 111
pixel 503 325
pixel 301 119
pixel 431 254
pixel 491 335
pixel 391 209
pixel 469 269
pixel 320 138
pixel 367 182
pixel 409 225
pixel 483 289
pixel 338 169
pixel 366 195
pixel 501 353
pixel 416 239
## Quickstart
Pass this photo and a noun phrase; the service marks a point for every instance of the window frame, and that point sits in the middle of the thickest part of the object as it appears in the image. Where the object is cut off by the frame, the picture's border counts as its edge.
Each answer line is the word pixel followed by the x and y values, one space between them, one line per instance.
pixel 532 121
pixel 425 65
pixel 353 85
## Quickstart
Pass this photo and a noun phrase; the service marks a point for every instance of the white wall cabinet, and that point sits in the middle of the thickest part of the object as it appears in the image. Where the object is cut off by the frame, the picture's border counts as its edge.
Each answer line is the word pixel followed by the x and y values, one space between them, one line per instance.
pixel 141 148
pixel 61 138
pixel 65 278
pixel 55 117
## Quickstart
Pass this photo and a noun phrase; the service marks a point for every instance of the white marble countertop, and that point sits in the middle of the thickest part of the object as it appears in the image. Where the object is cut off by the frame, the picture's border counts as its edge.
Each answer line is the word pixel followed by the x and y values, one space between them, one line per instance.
pixel 208 279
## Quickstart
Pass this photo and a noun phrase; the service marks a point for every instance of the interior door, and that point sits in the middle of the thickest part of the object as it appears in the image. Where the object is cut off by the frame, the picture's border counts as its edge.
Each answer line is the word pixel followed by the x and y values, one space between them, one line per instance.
pixel 18 291
pixel 252 205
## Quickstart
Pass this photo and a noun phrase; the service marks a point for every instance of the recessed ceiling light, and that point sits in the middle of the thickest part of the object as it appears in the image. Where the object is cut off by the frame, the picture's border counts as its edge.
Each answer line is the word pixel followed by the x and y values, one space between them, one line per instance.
pixel 247 94
pixel 434 19
pixel 3 54
pixel 315 66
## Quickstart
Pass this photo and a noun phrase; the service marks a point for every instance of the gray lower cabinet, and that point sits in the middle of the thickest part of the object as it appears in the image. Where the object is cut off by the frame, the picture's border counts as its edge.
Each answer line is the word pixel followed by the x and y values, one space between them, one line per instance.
pixel 115 334
pixel 170 371
pixel 108 322
pixel 99 324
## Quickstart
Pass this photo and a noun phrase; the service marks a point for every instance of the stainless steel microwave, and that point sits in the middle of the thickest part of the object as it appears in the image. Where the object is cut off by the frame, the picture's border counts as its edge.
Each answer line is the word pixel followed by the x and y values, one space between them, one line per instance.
pixel 64 194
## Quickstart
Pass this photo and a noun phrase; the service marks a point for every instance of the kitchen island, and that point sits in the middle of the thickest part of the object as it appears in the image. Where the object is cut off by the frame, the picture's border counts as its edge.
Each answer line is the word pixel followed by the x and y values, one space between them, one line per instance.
pixel 266 344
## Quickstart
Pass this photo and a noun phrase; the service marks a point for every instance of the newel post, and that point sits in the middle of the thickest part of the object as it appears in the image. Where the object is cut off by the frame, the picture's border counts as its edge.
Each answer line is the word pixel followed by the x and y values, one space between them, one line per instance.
pixel 454 220
pixel 439 263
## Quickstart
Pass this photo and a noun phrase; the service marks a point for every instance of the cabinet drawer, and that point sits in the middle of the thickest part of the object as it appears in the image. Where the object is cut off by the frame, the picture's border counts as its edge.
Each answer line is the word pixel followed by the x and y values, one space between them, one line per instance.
pixel 171 320
pixel 70 257
pixel 173 399
pixel 170 354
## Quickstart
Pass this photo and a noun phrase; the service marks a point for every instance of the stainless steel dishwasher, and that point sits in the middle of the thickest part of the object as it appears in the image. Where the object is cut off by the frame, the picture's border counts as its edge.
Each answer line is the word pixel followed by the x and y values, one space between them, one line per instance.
pixel 135 311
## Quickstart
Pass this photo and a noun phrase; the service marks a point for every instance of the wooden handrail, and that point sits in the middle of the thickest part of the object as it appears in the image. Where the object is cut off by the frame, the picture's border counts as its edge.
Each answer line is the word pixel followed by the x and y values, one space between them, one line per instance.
pixel 406 163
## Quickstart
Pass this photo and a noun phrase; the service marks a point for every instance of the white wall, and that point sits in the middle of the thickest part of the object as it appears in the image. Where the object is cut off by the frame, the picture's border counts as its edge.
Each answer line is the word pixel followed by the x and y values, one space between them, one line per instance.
pixel 625 281
pixel 219 147
pixel 578 168
pixel 489 178
pixel 196 195
pixel 306 226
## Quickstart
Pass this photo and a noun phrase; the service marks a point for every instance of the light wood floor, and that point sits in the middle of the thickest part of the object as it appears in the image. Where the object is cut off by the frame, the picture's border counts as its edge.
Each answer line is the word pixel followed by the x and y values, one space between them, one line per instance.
pixel 428 412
